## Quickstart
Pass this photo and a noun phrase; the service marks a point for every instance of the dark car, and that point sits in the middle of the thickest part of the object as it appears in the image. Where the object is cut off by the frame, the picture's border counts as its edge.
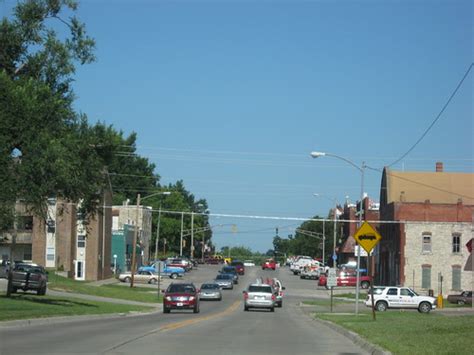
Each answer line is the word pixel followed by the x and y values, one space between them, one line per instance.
pixel 462 299
pixel 181 296
pixel 239 266
pixel 29 277
pixel 232 271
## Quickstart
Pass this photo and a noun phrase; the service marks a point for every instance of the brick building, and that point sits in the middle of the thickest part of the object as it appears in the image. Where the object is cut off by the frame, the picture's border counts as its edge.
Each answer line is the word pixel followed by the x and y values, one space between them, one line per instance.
pixel 432 215
pixel 63 241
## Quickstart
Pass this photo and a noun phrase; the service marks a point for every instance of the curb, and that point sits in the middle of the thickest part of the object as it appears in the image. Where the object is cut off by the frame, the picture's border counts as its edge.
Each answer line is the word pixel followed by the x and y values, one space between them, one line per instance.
pixel 356 338
pixel 71 319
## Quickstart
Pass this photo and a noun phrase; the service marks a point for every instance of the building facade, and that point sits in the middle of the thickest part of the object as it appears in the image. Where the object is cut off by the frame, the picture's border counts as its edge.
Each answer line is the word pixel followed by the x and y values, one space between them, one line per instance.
pixel 429 218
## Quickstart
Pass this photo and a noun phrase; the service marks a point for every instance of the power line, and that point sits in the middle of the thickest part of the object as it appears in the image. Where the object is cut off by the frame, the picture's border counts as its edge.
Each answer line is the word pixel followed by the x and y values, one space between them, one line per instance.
pixel 437 117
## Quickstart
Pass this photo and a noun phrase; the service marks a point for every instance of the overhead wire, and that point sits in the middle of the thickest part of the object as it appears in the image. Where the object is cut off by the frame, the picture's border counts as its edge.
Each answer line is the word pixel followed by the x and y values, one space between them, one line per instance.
pixel 437 117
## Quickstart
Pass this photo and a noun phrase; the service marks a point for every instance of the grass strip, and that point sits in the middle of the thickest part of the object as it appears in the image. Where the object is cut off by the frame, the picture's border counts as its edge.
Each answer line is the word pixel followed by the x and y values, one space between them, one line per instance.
pixel 27 306
pixel 409 332
pixel 139 294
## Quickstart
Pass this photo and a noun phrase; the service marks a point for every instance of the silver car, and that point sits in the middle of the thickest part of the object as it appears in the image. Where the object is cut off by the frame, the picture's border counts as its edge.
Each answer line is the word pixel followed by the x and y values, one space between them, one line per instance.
pixel 210 291
pixel 225 281
pixel 259 295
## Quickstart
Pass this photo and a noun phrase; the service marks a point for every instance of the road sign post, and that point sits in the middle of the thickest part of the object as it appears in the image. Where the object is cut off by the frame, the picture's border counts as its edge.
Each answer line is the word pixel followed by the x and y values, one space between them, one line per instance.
pixel 331 282
pixel 367 237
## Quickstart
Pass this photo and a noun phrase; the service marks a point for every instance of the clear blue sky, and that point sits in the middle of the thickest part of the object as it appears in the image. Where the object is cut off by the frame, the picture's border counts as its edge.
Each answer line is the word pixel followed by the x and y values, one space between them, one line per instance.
pixel 232 96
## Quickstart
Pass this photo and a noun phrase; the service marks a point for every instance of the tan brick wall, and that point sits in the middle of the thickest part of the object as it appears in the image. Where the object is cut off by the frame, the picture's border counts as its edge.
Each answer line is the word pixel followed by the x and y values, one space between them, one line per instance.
pixel 38 242
pixel 441 258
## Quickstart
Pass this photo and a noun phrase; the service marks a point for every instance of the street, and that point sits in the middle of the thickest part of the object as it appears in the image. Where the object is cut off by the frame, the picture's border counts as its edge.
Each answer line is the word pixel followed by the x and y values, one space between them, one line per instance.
pixel 220 328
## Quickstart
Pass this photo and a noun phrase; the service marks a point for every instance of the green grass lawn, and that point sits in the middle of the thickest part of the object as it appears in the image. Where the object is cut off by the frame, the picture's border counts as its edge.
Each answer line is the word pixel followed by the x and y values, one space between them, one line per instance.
pixel 139 294
pixel 409 332
pixel 323 303
pixel 26 306
pixel 362 295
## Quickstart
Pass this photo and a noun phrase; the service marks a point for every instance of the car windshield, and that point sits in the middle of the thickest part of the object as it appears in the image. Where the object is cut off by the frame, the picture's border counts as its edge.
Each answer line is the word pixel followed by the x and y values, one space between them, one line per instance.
pixel 224 277
pixel 177 288
pixel 228 270
pixel 255 288
pixel 209 287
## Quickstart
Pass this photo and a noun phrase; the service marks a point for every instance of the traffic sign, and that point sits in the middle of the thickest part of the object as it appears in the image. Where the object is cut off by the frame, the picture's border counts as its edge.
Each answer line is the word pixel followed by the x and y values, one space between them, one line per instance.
pixel 332 278
pixel 334 256
pixel 367 237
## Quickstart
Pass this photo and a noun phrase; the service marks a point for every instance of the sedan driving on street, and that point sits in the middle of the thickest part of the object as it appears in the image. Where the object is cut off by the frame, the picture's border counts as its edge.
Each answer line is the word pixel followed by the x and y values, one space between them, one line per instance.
pixel 210 291
pixel 181 296
pixel 225 281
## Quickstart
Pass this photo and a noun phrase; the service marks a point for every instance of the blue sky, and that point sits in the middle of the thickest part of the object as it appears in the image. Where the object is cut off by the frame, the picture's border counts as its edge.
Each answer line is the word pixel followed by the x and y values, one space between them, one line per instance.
pixel 232 96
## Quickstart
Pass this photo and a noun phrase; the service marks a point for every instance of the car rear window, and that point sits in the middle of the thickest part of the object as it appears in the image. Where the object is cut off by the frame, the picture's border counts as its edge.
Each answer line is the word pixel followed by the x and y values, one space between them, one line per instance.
pixel 265 289
pixel 181 289
pixel 210 287
pixel 224 277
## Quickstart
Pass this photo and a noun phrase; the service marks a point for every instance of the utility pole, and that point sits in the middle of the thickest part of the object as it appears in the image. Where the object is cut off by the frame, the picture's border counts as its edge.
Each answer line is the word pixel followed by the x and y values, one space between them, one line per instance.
pixel 134 246
pixel 181 239
pixel 192 236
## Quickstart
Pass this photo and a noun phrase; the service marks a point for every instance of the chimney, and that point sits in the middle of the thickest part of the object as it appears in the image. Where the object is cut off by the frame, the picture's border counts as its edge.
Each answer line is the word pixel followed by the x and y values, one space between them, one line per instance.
pixel 439 167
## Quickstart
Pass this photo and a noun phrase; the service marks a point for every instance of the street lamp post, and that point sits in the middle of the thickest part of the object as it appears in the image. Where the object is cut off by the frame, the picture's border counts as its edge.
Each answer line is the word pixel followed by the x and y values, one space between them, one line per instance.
pixel 164 193
pixel 334 256
pixel 362 171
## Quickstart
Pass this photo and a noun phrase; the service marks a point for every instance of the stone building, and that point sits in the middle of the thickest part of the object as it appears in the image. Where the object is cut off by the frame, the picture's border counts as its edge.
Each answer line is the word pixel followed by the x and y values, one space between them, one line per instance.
pixel 430 223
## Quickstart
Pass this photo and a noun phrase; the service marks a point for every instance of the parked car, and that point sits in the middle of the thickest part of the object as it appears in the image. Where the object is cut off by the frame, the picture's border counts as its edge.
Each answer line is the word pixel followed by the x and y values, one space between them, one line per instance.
pixel 249 263
pixel 269 264
pixel 213 261
pixel 239 266
pixel 166 270
pixel 310 273
pixel 461 299
pixel 399 297
pixel 232 271
pixel 225 281
pixel 140 276
pixel 210 291
pixel 182 263
pixel 259 295
pixel 5 264
pixel 29 277
pixel 345 278
pixel 181 296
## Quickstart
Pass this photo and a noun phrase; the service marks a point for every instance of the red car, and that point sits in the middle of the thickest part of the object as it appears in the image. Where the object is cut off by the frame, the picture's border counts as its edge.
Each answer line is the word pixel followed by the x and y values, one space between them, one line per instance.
pixel 239 266
pixel 181 296
pixel 345 278
pixel 269 264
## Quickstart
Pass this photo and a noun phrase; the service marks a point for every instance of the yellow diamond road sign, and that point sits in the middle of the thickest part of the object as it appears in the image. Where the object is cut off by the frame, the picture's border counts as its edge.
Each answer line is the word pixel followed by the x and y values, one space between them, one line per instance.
pixel 367 237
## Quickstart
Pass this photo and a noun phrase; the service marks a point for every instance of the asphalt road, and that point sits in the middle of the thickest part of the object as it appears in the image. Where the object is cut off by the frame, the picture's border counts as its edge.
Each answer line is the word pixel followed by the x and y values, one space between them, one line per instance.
pixel 220 328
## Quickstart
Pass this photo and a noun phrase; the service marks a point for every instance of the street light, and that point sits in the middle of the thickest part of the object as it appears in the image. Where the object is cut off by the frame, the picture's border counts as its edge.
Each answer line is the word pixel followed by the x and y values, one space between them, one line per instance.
pixel 361 170
pixel 135 234
pixel 334 256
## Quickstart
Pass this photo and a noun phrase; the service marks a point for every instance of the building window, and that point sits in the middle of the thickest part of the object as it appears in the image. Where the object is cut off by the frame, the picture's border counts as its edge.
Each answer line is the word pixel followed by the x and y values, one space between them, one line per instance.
pixel 27 252
pixel 456 243
pixel 426 242
pixel 25 223
pixel 456 278
pixel 81 241
pixel 50 254
pixel 426 276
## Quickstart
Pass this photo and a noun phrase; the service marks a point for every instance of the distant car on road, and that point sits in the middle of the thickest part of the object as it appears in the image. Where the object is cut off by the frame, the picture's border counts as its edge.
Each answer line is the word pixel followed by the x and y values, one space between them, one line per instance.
pixel 259 296
pixel 399 297
pixel 239 266
pixel 181 296
pixel 140 276
pixel 249 263
pixel 278 288
pixel 232 271
pixel 461 299
pixel 269 264
pixel 225 281
pixel 210 291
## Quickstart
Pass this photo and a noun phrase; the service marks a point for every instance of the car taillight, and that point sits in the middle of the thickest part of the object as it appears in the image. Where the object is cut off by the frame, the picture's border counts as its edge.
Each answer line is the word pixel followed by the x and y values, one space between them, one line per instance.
pixel 246 295
pixel 273 297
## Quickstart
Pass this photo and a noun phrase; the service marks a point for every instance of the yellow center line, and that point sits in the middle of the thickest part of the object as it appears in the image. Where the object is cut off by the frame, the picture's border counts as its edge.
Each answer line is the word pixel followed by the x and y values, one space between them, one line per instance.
pixel 187 322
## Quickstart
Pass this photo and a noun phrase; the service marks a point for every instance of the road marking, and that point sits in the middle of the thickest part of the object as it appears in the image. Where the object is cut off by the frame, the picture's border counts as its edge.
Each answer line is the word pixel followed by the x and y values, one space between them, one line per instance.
pixel 177 325
pixel 187 322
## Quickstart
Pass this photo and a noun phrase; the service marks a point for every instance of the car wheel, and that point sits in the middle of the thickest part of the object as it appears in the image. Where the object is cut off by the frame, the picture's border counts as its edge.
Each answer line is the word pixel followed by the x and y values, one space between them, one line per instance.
pixel 41 291
pixel 14 289
pixel 365 285
pixel 461 302
pixel 166 310
pixel 424 307
pixel 272 309
pixel 152 281
pixel 280 304
pixel 295 273
pixel 174 276
pixel 381 306
pixel 273 268
pixel 196 309
pixel 246 309
pixel 127 279
pixel 220 298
